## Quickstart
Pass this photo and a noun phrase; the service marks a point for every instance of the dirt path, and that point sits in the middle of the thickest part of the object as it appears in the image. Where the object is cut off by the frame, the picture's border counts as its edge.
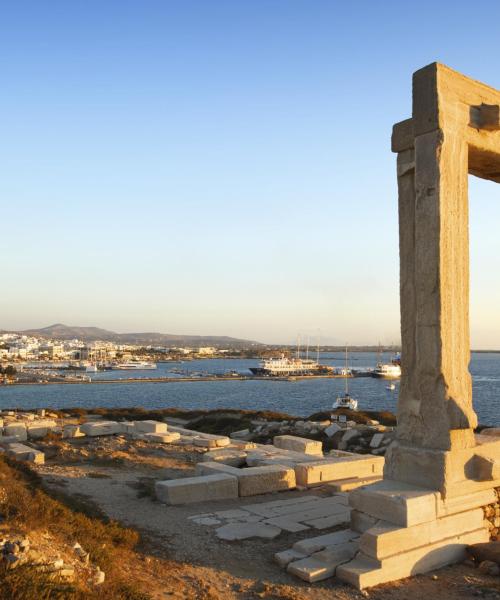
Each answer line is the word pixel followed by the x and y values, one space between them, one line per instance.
pixel 118 477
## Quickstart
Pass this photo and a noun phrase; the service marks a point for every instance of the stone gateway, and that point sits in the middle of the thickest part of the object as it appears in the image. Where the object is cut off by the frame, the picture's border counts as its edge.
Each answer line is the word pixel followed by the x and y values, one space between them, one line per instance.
pixel 438 474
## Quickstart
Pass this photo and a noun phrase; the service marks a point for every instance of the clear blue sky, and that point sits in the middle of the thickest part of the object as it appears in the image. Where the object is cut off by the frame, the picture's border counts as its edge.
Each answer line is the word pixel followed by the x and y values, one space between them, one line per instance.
pixel 222 167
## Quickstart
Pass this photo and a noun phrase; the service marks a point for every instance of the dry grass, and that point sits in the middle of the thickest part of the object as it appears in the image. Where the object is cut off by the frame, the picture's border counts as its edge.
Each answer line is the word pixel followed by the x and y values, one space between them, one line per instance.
pixel 27 507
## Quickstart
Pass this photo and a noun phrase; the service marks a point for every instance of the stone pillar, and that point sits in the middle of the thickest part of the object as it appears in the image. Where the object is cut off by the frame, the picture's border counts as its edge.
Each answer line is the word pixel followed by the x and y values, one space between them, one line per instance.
pixel 435 413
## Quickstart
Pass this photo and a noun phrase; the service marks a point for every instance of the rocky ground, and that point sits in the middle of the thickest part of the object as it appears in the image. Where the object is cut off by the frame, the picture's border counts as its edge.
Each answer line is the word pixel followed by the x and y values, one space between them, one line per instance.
pixel 113 477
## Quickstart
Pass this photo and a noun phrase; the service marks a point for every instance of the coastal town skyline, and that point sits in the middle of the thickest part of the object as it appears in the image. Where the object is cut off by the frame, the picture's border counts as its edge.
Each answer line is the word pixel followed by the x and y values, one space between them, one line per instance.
pixel 206 168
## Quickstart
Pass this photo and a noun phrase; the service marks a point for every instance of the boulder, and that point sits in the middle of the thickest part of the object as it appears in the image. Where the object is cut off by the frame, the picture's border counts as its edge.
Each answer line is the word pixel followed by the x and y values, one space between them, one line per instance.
pixel 350 435
pixel 332 429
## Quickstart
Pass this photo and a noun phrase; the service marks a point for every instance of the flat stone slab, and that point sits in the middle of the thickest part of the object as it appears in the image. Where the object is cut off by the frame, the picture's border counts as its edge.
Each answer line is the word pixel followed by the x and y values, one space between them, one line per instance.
pixel 244 531
pixel 197 489
pixel 323 564
pixel 286 524
pixel 298 444
pixel 94 429
pixel 150 427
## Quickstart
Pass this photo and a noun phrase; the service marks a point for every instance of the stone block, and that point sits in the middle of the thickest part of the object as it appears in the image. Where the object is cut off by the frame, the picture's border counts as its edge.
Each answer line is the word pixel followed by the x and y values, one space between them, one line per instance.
pixel 350 435
pixel 332 430
pixel 451 506
pixel 342 467
pixel 323 564
pixel 384 540
pixel 40 429
pixel 71 431
pixel 98 428
pixel 396 502
pixel 376 440
pixel 364 572
pixel 263 480
pixel 254 480
pixel 205 488
pixel 16 429
pixel 298 444
pixel 162 438
pixel 150 427
pixel 211 442
pixel 25 453
pixel 128 427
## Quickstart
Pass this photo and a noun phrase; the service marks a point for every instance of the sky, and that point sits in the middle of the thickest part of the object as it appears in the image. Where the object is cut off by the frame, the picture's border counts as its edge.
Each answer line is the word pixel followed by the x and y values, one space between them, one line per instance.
pixel 222 167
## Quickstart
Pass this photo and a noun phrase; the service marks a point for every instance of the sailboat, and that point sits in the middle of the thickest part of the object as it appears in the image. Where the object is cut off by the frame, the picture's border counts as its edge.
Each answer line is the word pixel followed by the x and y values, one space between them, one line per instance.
pixel 346 401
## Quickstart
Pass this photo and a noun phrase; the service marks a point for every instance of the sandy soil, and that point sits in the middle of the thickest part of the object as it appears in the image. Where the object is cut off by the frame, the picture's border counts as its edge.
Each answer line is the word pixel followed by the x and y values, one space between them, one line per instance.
pixel 187 559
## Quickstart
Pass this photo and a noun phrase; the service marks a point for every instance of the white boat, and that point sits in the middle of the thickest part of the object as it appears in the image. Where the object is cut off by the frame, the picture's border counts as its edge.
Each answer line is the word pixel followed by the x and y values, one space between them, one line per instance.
pixel 284 366
pixel 346 401
pixel 387 371
pixel 91 369
pixel 391 387
pixel 135 365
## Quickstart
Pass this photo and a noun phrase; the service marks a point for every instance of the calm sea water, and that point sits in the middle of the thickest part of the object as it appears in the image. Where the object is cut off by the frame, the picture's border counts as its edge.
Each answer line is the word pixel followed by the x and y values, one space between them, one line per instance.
pixel 294 397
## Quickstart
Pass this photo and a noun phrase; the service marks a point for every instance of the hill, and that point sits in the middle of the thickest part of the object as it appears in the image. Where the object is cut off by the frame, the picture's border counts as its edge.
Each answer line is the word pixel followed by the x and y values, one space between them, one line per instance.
pixel 90 334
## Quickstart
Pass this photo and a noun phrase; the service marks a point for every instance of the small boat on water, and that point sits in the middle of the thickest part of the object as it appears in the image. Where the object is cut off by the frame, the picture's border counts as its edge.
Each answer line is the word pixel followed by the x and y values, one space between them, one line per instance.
pixel 391 387
pixel 346 401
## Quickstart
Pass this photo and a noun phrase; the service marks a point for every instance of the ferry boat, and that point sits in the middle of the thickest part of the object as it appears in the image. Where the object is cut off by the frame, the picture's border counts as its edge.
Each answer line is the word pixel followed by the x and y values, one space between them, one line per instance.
pixel 135 365
pixel 284 366
pixel 390 370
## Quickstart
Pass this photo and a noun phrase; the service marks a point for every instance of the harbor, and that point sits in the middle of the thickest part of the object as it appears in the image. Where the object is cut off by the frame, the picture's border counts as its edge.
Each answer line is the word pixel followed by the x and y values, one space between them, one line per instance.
pixel 300 396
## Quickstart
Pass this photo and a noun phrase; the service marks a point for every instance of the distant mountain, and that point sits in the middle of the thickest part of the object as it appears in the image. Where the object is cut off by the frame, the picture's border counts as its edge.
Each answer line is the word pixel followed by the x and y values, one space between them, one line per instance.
pixel 92 334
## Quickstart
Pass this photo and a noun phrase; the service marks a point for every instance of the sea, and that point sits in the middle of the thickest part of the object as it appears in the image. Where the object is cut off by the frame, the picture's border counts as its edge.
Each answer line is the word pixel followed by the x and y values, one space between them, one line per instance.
pixel 299 397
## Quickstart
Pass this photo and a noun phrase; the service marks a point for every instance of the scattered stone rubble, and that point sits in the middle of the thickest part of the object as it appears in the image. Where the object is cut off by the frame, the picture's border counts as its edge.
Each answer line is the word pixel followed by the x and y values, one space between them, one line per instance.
pixel 340 432
pixel 261 469
pixel 20 550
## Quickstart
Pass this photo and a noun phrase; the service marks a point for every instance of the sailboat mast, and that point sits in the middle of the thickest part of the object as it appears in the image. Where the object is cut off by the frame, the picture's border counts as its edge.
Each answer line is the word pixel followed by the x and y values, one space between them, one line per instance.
pixel 346 382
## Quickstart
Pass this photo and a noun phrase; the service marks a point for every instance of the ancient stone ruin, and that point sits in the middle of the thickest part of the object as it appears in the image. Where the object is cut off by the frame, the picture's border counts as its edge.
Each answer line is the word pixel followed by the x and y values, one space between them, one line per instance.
pixel 438 474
